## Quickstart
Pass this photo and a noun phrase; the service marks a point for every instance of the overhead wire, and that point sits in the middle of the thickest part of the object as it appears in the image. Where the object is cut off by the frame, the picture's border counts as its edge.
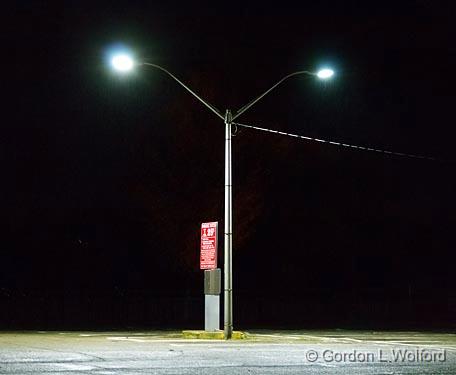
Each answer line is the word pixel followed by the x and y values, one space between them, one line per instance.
pixel 346 145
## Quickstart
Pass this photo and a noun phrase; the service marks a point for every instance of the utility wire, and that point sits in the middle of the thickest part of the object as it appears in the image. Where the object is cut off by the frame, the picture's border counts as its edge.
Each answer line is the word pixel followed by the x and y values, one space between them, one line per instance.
pixel 342 144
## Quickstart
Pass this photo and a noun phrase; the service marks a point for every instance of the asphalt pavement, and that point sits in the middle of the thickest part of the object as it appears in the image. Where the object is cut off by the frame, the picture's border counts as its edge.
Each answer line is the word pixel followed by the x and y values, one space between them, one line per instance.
pixel 262 352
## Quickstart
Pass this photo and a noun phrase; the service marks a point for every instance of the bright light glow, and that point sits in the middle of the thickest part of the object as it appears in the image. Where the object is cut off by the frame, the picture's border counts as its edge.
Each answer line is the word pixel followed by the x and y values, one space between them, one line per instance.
pixel 325 73
pixel 122 63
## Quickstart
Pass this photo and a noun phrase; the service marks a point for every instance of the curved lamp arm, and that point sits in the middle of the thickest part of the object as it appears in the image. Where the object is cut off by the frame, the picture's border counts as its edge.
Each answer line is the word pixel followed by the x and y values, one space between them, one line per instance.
pixel 208 105
pixel 247 106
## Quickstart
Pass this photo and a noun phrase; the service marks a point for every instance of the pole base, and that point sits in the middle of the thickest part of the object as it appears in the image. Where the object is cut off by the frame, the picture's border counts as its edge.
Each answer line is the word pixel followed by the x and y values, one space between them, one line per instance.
pixel 216 335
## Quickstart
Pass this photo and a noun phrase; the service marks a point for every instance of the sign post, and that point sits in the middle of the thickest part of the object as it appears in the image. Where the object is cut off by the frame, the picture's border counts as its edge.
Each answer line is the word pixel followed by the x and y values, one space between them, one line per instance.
pixel 208 263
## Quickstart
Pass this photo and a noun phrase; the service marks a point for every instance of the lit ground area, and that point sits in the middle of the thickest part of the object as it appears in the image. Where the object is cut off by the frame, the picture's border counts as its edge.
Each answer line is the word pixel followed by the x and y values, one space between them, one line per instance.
pixel 263 352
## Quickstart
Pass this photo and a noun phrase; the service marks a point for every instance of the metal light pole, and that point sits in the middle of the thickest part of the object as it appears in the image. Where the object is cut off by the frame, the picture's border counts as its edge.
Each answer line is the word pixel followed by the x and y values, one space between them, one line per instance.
pixel 125 63
pixel 228 238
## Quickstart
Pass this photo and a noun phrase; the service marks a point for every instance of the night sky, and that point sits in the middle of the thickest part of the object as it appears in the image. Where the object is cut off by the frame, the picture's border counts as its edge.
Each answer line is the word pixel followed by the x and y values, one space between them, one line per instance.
pixel 106 178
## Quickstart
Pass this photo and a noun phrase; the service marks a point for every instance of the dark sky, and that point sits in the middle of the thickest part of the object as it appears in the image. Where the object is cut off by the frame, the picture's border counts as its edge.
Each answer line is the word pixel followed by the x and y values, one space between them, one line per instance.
pixel 107 178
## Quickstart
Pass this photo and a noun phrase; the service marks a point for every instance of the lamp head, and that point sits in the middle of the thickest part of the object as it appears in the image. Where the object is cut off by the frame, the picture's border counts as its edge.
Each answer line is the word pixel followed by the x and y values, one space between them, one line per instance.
pixel 325 73
pixel 122 62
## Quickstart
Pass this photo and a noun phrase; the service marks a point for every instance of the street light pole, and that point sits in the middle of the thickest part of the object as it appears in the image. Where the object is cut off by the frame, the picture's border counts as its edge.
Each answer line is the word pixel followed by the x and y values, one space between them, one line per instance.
pixel 228 238
pixel 228 222
pixel 124 63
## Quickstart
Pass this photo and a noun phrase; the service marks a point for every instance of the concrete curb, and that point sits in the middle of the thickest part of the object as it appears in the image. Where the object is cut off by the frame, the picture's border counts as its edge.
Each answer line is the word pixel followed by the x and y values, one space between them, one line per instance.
pixel 216 335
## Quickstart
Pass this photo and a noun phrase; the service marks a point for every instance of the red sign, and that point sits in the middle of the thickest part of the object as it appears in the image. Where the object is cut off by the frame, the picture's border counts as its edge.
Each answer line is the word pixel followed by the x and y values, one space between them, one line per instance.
pixel 208 255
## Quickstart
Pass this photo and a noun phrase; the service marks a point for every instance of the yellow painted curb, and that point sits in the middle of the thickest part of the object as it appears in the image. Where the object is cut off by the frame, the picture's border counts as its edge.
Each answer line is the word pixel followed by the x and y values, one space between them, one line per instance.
pixel 216 335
